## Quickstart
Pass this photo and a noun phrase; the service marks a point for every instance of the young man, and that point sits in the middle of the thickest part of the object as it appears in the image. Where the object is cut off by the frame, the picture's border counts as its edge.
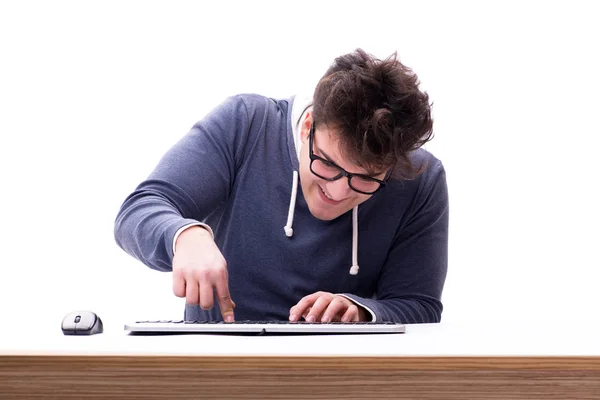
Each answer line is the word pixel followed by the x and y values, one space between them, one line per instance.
pixel 364 239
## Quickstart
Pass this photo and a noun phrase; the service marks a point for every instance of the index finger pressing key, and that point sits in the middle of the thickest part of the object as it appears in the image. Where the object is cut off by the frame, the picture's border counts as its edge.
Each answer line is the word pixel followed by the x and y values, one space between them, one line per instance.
pixel 226 304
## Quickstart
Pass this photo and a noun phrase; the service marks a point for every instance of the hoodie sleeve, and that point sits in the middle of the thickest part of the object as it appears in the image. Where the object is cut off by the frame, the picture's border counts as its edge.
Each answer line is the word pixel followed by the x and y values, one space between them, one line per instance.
pixel 191 180
pixel 410 285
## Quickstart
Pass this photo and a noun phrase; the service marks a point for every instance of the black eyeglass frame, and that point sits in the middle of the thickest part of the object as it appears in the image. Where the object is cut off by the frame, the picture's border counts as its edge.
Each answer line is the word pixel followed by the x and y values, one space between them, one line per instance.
pixel 343 172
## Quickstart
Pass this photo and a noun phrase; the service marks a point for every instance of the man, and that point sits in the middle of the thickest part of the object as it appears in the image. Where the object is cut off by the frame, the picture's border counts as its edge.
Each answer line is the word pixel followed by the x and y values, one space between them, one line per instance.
pixel 365 239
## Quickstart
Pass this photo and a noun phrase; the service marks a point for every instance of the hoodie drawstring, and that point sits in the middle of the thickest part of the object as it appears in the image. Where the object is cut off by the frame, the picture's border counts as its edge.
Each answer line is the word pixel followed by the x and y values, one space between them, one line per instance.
pixel 288 227
pixel 354 268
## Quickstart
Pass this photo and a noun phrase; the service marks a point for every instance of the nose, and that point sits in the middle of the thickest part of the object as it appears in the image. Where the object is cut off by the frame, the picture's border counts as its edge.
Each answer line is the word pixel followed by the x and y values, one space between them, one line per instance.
pixel 339 189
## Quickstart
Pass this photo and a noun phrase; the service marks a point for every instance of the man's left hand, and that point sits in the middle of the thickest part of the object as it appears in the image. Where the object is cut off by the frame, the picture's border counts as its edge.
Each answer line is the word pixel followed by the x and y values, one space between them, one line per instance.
pixel 328 307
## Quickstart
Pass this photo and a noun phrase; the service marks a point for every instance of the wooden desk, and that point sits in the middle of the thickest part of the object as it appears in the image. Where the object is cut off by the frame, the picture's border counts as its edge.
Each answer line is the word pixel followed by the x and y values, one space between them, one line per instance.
pixel 439 361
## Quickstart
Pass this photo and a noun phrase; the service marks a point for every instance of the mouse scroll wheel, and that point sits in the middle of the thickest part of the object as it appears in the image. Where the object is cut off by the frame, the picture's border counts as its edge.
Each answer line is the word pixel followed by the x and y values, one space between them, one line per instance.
pixel 77 319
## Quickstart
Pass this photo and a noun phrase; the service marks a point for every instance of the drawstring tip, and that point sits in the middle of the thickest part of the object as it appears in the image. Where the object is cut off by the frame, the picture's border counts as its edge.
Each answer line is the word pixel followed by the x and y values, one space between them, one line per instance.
pixel 288 226
pixel 288 231
pixel 354 270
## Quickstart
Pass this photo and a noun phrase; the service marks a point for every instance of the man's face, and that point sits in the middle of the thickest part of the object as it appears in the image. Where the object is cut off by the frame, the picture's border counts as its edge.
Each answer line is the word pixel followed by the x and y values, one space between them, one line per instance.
pixel 327 200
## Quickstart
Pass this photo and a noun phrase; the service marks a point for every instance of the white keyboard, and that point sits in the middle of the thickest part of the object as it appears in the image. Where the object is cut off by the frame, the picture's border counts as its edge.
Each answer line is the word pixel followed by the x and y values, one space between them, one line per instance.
pixel 263 327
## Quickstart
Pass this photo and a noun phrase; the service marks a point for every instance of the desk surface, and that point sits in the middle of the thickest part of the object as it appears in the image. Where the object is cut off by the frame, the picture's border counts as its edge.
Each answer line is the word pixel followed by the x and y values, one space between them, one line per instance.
pixel 437 361
pixel 452 339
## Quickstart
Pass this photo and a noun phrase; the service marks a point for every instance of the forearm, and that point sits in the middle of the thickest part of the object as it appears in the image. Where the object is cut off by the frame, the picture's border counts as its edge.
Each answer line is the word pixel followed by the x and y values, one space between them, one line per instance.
pixel 413 310
pixel 146 226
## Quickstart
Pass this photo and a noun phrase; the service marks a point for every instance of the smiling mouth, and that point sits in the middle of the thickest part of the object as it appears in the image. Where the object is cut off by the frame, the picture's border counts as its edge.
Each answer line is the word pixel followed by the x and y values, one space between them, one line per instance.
pixel 327 198
pixel 326 195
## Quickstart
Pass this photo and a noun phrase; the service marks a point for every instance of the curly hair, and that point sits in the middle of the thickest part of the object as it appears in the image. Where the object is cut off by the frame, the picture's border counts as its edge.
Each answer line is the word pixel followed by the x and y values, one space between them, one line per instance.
pixel 377 109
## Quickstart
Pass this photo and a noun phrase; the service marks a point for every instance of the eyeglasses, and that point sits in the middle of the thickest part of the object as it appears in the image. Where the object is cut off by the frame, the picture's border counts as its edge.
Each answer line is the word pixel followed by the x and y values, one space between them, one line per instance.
pixel 329 171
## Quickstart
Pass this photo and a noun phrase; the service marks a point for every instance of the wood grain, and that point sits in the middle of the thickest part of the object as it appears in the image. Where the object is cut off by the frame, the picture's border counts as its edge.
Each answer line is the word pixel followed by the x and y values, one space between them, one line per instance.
pixel 186 377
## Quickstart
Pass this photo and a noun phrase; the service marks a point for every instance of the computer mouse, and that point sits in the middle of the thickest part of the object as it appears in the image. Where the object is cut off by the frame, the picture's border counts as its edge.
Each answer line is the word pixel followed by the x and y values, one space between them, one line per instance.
pixel 82 323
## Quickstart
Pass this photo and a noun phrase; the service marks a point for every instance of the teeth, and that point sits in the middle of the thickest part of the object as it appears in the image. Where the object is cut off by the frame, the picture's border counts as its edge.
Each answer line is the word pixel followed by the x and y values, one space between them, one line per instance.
pixel 325 193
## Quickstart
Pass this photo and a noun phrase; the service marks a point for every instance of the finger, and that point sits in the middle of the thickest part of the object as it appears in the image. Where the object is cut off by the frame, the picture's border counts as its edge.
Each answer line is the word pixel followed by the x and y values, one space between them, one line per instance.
pixel 306 312
pixel 224 297
pixel 191 293
pixel 207 293
pixel 351 314
pixel 303 305
pixel 178 285
pixel 317 309
pixel 336 308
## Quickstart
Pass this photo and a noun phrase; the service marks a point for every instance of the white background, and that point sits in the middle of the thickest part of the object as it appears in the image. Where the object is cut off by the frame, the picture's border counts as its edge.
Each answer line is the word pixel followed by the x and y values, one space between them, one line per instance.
pixel 93 93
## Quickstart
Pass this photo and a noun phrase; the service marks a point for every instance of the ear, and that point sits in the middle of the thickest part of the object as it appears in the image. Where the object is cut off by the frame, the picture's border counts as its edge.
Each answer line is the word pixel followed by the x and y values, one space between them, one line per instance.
pixel 305 127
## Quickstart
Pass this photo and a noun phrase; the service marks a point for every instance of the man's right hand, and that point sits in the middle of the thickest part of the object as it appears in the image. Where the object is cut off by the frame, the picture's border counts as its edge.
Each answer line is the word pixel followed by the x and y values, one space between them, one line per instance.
pixel 199 269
